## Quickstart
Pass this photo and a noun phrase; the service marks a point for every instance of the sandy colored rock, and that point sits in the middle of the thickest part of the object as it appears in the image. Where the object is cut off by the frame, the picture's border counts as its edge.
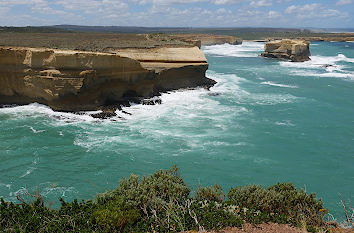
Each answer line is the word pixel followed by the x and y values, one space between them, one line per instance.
pixel 209 39
pixel 69 80
pixel 294 50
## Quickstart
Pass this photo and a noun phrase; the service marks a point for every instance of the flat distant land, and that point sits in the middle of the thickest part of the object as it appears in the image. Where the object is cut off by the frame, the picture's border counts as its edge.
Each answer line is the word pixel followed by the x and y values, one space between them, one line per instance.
pixel 99 38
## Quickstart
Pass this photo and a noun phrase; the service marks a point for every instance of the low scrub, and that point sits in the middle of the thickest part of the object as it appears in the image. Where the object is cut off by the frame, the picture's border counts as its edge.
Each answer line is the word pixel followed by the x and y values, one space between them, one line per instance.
pixel 281 199
pixel 162 202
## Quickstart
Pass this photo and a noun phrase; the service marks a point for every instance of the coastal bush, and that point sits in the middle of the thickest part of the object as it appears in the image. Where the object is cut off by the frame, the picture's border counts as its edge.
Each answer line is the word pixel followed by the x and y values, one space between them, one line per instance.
pixel 160 195
pixel 163 185
pixel 116 215
pixel 162 202
pixel 215 215
pixel 35 217
pixel 280 199
pixel 212 193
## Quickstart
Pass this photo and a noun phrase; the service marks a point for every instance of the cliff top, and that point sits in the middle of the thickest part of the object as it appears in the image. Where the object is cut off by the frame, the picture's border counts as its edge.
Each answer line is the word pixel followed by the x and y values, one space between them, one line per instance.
pixel 105 42
pixel 289 42
pixel 95 42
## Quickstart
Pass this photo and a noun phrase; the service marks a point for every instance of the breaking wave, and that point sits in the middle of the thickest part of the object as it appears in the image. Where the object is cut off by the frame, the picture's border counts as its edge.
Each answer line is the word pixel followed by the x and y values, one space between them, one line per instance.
pixel 323 66
pixel 278 85
pixel 246 49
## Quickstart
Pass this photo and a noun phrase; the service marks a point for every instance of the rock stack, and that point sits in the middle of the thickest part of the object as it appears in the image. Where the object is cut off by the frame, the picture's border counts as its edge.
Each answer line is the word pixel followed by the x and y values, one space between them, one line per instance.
pixel 293 50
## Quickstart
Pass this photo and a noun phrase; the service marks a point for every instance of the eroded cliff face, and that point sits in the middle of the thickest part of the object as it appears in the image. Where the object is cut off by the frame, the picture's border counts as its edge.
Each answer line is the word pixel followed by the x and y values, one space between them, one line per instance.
pixel 76 81
pixel 208 39
pixel 294 50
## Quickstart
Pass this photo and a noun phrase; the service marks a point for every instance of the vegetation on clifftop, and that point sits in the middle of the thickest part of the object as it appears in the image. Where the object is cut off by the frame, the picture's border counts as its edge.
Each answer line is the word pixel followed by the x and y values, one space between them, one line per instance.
pixel 162 202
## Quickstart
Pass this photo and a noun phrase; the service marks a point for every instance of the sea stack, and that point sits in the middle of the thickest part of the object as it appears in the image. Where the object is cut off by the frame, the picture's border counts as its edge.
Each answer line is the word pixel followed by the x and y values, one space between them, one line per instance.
pixel 293 50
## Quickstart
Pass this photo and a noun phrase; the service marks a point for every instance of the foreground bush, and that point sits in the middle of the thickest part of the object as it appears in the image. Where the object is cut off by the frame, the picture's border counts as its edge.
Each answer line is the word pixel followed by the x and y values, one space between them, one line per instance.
pixel 281 199
pixel 162 203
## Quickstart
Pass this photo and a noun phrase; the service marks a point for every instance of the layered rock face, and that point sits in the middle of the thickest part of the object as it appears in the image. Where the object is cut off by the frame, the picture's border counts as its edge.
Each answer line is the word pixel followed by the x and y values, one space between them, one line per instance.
pixel 75 80
pixel 294 50
pixel 209 39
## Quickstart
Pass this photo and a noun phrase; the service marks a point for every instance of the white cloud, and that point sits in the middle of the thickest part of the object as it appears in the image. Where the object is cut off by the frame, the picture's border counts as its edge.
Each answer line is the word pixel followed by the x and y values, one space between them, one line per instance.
pixel 166 2
pixel 314 10
pixel 274 15
pixel 343 2
pixel 261 3
pixel 224 2
pixel 172 13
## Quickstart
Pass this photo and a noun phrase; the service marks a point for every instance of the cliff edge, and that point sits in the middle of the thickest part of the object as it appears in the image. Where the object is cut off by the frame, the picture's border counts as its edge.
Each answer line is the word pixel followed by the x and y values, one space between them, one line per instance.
pixel 293 50
pixel 68 80
pixel 208 39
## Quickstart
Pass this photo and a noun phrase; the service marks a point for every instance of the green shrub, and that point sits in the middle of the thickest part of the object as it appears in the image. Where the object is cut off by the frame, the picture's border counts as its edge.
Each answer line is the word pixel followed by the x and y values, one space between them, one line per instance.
pixel 35 217
pixel 161 203
pixel 160 197
pixel 116 215
pixel 213 215
pixel 212 193
pixel 149 192
pixel 280 199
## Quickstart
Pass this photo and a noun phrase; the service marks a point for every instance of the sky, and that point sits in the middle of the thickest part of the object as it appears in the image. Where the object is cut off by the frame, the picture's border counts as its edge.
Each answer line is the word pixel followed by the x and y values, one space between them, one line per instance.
pixel 180 13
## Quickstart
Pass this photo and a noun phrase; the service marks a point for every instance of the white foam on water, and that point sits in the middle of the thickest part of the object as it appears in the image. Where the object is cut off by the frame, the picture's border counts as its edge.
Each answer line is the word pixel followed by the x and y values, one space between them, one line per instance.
pixel 36 110
pixel 62 191
pixel 349 75
pixel 246 49
pixel 190 103
pixel 278 84
pixel 346 76
pixel 181 110
pixel 319 62
pixel 284 123
pixel 45 189
pixel 322 66
pixel 8 186
pixel 36 131
pixel 31 168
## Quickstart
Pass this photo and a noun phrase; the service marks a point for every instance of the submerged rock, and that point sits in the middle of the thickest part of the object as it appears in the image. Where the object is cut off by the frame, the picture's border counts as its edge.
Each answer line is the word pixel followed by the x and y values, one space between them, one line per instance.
pixel 104 115
pixel 293 50
pixel 214 94
pixel 152 101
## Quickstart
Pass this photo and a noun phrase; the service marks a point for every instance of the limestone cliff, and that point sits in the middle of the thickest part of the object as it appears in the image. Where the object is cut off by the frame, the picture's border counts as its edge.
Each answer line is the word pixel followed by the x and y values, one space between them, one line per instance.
pixel 208 39
pixel 294 50
pixel 69 80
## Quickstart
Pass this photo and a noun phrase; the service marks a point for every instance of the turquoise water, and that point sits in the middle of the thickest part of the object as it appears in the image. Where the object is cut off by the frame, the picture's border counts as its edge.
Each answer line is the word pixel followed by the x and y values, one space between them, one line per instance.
pixel 265 121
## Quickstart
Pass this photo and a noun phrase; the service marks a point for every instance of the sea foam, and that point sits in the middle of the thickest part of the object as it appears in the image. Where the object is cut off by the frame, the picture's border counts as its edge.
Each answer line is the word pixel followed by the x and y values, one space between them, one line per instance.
pixel 278 85
pixel 322 66
pixel 246 49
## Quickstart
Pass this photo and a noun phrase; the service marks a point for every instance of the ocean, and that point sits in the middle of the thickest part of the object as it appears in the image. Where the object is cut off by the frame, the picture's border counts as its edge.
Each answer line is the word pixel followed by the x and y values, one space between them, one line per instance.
pixel 265 121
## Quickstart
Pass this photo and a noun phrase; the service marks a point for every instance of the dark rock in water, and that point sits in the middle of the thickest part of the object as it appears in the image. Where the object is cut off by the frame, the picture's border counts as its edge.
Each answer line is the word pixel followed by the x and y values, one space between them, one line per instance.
pixel 237 41
pixel 214 94
pixel 152 101
pixel 104 115
pixel 327 65
pixel 128 113
pixel 8 105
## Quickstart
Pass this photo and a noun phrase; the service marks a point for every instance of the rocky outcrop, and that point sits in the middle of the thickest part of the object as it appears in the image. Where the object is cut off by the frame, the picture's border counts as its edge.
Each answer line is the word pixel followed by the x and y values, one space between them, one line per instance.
pixel 294 50
pixel 69 80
